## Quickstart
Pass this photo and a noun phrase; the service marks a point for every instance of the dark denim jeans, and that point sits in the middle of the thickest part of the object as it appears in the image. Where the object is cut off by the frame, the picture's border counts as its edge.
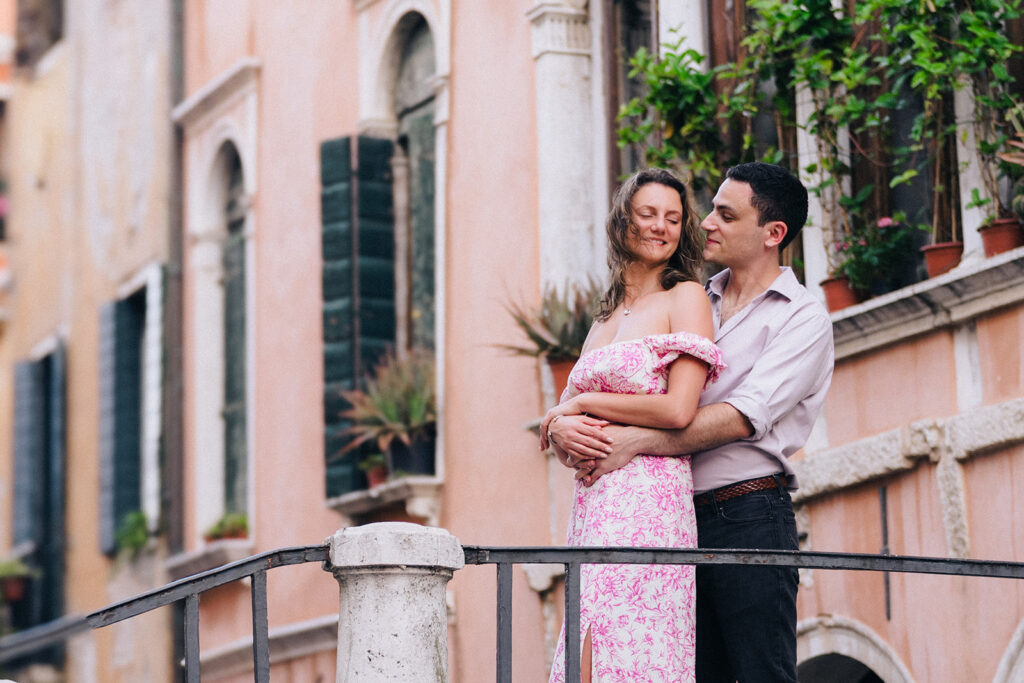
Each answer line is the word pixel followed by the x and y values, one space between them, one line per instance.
pixel 746 615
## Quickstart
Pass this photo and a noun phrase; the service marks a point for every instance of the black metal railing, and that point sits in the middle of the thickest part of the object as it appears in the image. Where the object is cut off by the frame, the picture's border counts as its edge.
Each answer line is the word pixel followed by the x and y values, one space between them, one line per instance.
pixel 189 588
pixel 37 639
pixel 573 558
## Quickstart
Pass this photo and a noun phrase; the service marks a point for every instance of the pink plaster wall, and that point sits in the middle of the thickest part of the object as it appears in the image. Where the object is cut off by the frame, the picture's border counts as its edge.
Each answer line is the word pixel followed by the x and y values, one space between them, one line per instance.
pixel 7 16
pixel 495 477
pixel 873 393
pixel 1000 350
pixel 835 592
pixel 299 107
pixel 943 628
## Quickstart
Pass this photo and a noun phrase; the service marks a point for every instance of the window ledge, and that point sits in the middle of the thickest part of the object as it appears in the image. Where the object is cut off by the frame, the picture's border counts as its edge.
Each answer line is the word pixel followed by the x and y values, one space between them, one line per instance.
pixel 213 554
pixel 973 288
pixel 287 642
pixel 421 495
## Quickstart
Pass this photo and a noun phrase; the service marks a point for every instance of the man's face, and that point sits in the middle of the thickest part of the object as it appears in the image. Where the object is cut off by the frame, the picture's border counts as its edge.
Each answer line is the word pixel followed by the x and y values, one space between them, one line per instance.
pixel 733 234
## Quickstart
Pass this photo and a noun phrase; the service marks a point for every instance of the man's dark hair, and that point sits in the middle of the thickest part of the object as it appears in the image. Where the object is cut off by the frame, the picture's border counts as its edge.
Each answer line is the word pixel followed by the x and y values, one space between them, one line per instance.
pixel 778 195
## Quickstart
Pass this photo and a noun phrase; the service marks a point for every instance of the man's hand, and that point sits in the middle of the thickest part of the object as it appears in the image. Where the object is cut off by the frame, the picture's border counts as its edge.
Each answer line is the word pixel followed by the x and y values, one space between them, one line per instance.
pixel 624 448
pixel 580 437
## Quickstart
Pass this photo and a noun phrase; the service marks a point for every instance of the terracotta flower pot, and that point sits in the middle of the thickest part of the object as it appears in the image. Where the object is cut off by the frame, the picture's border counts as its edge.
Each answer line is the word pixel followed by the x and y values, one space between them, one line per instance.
pixel 1002 234
pixel 560 370
pixel 942 257
pixel 12 588
pixel 838 293
pixel 377 475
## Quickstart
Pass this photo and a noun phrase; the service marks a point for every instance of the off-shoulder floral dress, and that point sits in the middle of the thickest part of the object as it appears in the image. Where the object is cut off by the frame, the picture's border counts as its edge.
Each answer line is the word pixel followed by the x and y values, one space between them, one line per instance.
pixel 641 617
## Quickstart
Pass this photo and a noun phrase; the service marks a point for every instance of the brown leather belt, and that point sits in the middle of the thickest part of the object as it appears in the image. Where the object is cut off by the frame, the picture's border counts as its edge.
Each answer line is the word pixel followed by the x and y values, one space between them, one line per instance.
pixel 744 487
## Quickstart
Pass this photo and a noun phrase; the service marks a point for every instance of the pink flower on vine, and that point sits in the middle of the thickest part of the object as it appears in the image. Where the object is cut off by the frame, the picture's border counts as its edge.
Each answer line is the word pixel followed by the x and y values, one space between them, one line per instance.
pixel 884 222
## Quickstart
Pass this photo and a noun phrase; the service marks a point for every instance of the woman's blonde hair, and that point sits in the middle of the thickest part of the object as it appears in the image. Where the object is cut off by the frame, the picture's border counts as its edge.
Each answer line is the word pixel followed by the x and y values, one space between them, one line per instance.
pixel 685 263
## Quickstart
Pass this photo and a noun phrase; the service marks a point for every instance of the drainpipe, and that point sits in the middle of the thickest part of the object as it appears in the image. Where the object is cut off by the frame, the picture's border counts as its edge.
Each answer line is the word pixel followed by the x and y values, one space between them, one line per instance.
pixel 173 403
pixel 173 475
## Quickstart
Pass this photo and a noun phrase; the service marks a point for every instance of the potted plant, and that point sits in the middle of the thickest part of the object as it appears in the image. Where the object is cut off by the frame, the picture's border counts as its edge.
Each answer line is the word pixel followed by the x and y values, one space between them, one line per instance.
pixel 133 534
pixel 375 467
pixel 934 50
pixel 879 259
pixel 557 329
pixel 806 47
pixel 231 525
pixel 1004 232
pixel 14 577
pixel 675 123
pixel 1014 158
pixel 997 114
pixel 839 293
pixel 397 411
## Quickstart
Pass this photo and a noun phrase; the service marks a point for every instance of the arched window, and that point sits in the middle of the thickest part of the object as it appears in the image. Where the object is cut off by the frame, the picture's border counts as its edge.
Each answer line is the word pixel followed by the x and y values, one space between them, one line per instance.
pixel 414 189
pixel 378 208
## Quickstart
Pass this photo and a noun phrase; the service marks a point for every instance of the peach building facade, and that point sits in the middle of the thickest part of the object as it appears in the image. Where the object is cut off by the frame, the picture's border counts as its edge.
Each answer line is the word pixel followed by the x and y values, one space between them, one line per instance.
pixel 183 164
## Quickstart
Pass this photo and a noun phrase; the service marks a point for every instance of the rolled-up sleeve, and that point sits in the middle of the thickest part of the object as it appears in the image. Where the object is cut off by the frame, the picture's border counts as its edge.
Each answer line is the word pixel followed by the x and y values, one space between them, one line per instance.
pixel 795 364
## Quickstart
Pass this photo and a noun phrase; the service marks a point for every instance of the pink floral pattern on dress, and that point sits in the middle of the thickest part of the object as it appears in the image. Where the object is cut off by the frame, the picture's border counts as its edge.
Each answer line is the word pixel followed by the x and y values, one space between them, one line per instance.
pixel 641 617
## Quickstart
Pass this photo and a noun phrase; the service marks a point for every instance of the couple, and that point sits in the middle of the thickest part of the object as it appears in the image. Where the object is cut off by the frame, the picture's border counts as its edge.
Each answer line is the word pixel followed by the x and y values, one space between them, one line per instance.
pixel 734 375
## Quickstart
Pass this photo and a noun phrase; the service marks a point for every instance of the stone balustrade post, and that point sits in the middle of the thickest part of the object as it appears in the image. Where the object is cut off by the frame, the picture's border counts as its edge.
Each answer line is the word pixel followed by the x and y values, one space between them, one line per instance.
pixel 392 622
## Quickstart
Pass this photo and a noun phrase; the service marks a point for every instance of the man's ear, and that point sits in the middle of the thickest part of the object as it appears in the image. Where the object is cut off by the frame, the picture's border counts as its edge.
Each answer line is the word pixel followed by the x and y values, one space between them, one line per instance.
pixel 776 233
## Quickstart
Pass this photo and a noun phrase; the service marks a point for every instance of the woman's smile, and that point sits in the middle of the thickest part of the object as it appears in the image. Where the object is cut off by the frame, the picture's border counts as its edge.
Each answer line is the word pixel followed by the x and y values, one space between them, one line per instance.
pixel 657 215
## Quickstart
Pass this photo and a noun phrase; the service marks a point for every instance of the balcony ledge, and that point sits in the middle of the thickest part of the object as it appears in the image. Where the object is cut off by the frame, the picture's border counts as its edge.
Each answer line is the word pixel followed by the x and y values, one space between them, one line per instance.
pixel 213 554
pixel 421 495
pixel 973 288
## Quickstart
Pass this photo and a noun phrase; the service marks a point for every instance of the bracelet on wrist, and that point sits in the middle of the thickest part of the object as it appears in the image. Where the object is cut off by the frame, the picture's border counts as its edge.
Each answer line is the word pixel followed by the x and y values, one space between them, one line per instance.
pixel 553 421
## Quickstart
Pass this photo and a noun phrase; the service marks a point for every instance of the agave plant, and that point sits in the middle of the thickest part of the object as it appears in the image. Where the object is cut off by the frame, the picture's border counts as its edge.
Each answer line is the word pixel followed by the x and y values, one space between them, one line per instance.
pixel 398 402
pixel 557 329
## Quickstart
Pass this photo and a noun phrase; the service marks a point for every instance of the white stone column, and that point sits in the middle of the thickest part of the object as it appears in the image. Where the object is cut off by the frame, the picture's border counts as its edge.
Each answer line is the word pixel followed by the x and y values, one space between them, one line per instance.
pixel 970 176
pixel 817 233
pixel 392 621
pixel 678 18
pixel 570 246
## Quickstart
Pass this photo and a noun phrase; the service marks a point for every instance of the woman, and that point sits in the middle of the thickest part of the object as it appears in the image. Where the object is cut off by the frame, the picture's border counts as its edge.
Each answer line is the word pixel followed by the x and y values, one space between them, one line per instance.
pixel 645 362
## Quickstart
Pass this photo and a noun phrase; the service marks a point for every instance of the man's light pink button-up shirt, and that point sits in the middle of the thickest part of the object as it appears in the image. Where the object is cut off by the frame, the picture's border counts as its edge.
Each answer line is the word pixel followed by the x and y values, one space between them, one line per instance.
pixel 780 356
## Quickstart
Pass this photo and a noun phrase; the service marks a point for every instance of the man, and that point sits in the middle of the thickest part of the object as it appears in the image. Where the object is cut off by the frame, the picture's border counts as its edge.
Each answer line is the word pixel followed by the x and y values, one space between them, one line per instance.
pixel 777 341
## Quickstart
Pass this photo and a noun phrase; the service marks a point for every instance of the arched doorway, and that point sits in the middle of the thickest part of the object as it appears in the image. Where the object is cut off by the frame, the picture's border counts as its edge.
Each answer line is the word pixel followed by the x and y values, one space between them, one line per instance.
pixel 832 649
pixel 835 668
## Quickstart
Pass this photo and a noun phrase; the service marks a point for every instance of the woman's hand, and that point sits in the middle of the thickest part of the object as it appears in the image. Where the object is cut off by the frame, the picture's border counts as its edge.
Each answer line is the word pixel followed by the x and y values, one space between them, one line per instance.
pixel 580 437
pixel 567 408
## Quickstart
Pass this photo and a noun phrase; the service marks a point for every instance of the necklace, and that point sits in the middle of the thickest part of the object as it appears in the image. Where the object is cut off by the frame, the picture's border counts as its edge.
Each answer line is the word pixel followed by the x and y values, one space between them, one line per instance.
pixel 626 310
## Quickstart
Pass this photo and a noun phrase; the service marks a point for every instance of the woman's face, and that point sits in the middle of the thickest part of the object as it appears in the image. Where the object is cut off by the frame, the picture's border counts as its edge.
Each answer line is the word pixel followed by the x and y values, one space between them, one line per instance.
pixel 658 216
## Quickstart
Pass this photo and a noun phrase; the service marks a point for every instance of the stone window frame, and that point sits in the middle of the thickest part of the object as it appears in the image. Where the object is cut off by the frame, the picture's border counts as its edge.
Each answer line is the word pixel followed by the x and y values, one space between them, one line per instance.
pixel 380 49
pixel 222 112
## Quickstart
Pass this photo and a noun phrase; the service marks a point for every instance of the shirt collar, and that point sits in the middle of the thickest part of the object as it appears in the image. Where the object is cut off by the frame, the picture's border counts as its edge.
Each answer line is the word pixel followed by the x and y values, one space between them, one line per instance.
pixel 785 284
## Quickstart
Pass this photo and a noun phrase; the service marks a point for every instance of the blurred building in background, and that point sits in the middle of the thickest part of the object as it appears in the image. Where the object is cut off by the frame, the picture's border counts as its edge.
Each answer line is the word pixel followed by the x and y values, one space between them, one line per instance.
pixel 217 216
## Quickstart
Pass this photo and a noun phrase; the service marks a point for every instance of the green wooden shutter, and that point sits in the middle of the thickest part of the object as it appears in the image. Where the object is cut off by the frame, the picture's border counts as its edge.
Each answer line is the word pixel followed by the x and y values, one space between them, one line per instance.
pixel 51 587
pixel 39 496
pixel 338 279
pixel 121 330
pixel 358 281
pixel 29 451
pixel 376 252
